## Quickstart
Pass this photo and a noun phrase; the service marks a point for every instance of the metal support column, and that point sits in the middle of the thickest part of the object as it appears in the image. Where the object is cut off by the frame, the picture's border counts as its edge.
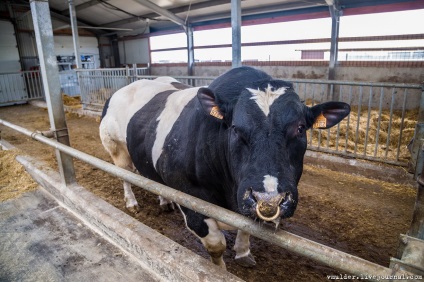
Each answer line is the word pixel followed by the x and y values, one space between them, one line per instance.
pixel 335 22
pixel 417 225
pixel 75 37
pixel 417 156
pixel 190 50
pixel 50 75
pixel 236 32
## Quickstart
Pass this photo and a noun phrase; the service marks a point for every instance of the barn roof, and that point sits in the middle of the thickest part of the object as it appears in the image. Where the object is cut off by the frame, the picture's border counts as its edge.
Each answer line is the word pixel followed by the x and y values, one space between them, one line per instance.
pixel 126 17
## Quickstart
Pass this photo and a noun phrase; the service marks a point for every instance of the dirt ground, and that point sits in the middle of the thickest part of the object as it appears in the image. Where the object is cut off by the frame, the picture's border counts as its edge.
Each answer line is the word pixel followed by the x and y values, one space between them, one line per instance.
pixel 354 214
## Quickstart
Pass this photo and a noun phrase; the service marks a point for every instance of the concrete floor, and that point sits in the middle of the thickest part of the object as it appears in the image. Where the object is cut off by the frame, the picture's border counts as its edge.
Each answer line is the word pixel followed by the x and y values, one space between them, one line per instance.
pixel 42 241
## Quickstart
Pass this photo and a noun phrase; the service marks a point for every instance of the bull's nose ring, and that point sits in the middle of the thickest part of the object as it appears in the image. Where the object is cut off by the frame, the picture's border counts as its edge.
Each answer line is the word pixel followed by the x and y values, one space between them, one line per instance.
pixel 271 218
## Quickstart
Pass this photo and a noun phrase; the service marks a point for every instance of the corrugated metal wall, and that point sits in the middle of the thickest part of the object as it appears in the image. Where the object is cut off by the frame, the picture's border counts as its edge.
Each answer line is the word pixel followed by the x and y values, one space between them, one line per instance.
pixel 26 39
pixel 9 53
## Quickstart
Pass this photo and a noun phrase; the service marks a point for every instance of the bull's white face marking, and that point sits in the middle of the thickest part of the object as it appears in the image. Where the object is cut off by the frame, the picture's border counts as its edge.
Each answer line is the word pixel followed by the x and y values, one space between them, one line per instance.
pixel 173 108
pixel 266 98
pixel 270 183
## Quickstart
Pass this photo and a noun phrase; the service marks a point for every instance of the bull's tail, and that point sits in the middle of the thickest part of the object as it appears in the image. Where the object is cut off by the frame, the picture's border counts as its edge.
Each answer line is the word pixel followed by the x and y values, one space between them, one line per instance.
pixel 105 108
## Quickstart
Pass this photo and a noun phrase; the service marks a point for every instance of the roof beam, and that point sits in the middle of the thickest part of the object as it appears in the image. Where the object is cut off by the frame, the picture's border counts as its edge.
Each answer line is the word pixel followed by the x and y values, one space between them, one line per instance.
pixel 83 6
pixel 163 12
pixel 202 5
pixel 182 9
pixel 66 19
pixel 256 10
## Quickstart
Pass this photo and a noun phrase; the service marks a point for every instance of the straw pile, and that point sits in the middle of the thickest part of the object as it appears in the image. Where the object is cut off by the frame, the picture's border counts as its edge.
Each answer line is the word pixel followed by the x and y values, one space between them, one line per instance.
pixel 71 101
pixel 378 135
pixel 14 180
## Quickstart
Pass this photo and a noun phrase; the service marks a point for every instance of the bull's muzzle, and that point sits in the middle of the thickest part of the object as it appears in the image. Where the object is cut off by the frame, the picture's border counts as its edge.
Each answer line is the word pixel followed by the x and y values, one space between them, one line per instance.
pixel 268 205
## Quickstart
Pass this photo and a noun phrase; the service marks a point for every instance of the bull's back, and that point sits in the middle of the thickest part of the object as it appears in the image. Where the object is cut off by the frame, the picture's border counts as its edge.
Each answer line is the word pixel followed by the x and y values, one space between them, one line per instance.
pixel 125 102
pixel 119 109
pixel 149 128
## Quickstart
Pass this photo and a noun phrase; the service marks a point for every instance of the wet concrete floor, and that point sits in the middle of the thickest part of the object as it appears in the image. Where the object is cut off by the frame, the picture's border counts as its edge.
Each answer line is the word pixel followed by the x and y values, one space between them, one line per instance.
pixel 42 241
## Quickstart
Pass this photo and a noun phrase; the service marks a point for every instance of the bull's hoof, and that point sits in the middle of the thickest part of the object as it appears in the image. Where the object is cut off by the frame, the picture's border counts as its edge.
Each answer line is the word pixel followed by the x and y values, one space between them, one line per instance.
pixel 133 209
pixel 169 207
pixel 246 261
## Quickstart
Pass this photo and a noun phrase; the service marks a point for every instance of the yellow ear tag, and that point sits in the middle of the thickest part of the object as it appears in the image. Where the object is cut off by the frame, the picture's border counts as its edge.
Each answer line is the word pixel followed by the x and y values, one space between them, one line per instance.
pixel 320 122
pixel 215 113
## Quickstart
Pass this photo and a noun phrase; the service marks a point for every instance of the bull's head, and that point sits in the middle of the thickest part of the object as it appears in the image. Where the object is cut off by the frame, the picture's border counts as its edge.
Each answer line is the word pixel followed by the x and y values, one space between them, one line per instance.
pixel 266 127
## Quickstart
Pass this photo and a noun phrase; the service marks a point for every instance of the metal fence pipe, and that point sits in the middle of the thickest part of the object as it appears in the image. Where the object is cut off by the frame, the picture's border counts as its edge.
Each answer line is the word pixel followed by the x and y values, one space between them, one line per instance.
pixel 320 253
pixel 357 83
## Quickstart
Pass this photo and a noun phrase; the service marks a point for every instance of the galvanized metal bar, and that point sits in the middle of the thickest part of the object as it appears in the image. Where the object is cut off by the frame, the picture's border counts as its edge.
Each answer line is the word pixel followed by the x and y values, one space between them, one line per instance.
pixel 236 32
pixel 416 158
pixel 313 103
pixel 368 121
pixel 358 121
pixel 335 27
pixel 338 125
pixel 357 83
pixel 322 254
pixel 50 74
pixel 401 125
pixel 389 130
pixel 75 37
pixel 190 51
pixel 380 110
pixel 417 225
pixel 348 122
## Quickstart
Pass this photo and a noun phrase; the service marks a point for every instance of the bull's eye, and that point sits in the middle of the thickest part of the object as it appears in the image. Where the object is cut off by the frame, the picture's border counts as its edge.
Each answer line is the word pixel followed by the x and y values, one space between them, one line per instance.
pixel 233 127
pixel 239 133
pixel 301 129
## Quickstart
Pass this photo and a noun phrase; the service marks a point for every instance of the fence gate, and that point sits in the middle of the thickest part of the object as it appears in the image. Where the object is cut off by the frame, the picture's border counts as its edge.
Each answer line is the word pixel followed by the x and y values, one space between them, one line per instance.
pixel 12 89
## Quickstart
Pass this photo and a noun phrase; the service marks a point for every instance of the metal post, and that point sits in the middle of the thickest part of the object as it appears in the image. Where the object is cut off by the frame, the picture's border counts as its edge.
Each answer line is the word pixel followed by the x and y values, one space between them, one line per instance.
pixel 236 32
pixel 190 50
pixel 50 75
pixel 417 159
pixel 417 225
pixel 335 23
pixel 75 36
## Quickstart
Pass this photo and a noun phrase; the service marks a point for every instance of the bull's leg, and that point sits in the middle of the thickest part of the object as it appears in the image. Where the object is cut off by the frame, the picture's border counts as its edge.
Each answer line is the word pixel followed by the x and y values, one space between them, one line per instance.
pixel 120 156
pixel 215 242
pixel 206 229
pixel 123 160
pixel 165 204
pixel 242 248
pixel 130 202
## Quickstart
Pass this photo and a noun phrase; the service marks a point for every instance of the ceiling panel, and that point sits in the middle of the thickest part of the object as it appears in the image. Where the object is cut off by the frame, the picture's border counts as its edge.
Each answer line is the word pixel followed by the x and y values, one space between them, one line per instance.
pixel 127 13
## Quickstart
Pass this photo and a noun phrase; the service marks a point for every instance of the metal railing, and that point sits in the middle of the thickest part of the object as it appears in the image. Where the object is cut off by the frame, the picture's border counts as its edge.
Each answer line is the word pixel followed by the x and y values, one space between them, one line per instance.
pixel 379 127
pixel 98 85
pixel 20 87
pixel 322 254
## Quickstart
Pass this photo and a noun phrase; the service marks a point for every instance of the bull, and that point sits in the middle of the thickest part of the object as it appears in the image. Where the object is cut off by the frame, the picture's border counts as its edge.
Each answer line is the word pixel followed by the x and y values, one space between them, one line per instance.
pixel 238 143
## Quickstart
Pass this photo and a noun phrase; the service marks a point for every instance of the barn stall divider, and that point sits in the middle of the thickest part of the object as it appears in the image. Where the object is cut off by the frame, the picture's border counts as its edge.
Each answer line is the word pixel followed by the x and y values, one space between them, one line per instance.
pixel 358 267
pixel 380 127
pixel 20 87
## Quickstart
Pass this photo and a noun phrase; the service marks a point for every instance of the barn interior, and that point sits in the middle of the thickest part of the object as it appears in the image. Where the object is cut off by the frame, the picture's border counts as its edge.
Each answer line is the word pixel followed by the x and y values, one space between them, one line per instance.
pixel 98 46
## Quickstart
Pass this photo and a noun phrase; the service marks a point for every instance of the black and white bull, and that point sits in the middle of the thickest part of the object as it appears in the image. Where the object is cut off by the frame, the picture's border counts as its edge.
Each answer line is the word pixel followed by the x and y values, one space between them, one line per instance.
pixel 238 143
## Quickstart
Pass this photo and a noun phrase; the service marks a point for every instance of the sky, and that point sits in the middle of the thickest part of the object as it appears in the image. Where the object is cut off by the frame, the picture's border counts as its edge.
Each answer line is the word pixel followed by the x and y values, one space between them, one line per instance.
pixel 393 23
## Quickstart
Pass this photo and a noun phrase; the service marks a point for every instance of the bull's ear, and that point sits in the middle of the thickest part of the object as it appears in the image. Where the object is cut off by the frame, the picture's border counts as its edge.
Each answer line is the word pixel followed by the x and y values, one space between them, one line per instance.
pixel 207 100
pixel 328 114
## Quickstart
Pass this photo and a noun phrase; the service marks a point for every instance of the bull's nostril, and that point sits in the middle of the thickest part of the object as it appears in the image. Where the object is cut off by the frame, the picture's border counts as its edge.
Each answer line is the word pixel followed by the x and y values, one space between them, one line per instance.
pixel 267 214
pixel 268 205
